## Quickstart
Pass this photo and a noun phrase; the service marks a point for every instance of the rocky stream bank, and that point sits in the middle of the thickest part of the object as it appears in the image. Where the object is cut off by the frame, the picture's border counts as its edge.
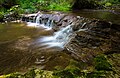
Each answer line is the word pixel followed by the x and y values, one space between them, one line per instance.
pixel 93 49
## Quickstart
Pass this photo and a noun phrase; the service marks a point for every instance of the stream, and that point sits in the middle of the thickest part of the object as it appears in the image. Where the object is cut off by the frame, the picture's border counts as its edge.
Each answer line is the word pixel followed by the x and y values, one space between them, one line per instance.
pixel 45 41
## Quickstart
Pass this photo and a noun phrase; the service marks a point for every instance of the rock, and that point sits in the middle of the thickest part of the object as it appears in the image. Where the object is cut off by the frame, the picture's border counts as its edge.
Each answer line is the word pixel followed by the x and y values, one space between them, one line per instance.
pixel 93 36
pixel 115 38
pixel 92 41
pixel 12 16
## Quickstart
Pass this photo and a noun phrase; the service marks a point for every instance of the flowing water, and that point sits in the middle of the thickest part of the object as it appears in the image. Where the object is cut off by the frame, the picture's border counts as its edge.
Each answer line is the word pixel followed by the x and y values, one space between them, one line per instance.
pixel 56 40
pixel 22 45
pixel 59 39
pixel 36 44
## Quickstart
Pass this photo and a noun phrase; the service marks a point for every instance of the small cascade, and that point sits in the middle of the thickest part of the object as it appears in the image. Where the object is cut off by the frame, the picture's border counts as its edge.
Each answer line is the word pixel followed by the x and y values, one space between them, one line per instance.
pixel 38 21
pixel 49 23
pixel 63 34
pixel 58 40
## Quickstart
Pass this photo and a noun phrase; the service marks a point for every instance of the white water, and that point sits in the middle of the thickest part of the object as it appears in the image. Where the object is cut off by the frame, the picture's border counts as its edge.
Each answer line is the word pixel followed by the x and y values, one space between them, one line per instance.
pixel 39 22
pixel 57 40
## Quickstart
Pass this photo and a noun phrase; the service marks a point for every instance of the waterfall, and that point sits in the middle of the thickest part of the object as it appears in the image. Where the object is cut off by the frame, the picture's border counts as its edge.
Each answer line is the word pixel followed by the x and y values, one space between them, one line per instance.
pixel 63 34
pixel 58 40
pixel 41 22
pixel 38 19
pixel 49 23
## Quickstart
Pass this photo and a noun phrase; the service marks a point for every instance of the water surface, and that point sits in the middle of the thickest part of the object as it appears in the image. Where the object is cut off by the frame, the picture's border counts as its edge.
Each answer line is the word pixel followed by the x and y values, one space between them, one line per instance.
pixel 106 15
pixel 20 48
pixel 23 47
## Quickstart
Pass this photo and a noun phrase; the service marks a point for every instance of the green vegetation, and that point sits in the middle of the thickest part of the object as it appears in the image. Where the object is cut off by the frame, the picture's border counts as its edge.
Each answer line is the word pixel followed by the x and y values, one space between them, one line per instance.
pixel 35 5
pixel 109 3
pixel 62 5
pixel 101 63
pixel 1 16
pixel 73 70
pixel 31 6
pixel 101 66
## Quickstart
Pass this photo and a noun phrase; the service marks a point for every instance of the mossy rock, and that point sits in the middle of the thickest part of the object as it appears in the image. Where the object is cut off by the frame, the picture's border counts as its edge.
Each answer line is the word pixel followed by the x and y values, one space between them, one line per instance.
pixel 33 73
pixel 101 63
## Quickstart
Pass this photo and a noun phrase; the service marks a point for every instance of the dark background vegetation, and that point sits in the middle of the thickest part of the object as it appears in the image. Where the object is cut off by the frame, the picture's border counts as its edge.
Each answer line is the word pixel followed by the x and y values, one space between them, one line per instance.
pixel 30 6
pixel 63 5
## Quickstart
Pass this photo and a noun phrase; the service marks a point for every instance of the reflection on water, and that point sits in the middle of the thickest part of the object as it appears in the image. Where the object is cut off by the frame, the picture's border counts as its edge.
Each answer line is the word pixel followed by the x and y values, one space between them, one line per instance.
pixel 107 15
pixel 18 44
pixel 15 39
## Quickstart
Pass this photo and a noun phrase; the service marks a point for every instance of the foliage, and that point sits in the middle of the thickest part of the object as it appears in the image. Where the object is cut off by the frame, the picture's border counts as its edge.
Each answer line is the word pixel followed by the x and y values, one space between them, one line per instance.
pixel 108 4
pixel 14 9
pixel 1 16
pixel 30 6
pixel 61 7
pixel 30 74
pixel 35 5
pixel 41 5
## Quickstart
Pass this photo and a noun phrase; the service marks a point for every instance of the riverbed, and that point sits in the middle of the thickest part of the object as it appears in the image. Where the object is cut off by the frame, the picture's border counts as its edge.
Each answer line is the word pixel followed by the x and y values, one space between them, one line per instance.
pixel 20 45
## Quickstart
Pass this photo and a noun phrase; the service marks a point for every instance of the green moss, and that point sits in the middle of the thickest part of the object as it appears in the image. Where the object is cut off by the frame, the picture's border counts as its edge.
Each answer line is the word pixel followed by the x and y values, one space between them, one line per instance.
pixel 108 4
pixel 101 63
pixel 102 70
pixel 95 74
pixel 12 75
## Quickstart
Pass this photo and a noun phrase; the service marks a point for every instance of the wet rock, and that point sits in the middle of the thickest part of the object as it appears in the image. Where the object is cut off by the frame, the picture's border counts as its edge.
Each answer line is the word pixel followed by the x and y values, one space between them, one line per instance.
pixel 12 16
pixel 115 38
pixel 92 36
pixel 114 61
pixel 92 41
